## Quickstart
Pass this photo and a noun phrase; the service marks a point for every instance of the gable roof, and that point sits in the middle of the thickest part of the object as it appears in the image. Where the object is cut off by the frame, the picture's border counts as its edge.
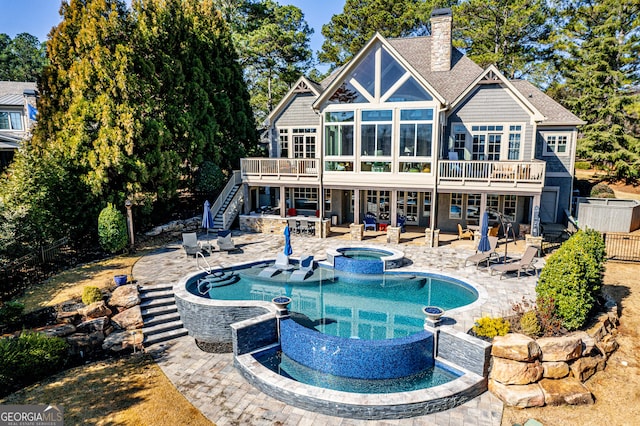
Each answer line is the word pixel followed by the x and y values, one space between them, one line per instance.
pixel 449 84
pixel 554 113
pixel 303 85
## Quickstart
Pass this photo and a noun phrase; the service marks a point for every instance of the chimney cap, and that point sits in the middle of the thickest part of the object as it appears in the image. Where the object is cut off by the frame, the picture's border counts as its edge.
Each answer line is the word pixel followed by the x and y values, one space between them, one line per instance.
pixel 445 11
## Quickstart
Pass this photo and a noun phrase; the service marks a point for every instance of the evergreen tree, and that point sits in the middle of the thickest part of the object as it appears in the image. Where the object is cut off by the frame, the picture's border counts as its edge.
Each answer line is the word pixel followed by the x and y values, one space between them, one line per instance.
pixel 598 51
pixel 511 34
pixel 349 31
pixel 22 58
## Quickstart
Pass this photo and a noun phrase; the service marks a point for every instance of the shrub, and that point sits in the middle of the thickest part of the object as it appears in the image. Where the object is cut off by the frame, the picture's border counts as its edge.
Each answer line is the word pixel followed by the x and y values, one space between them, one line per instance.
pixel 491 327
pixel 529 324
pixel 11 312
pixel 29 357
pixel 91 294
pixel 112 229
pixel 210 177
pixel 602 190
pixel 572 277
pixel 550 324
pixel 582 165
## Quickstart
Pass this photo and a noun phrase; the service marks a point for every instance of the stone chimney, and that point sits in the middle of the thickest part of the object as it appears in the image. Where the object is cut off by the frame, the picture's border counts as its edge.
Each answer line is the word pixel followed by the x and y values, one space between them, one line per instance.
pixel 441 20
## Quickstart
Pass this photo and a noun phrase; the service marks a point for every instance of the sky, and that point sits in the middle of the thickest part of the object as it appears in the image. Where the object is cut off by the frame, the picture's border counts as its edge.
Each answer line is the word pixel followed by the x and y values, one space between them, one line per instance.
pixel 37 17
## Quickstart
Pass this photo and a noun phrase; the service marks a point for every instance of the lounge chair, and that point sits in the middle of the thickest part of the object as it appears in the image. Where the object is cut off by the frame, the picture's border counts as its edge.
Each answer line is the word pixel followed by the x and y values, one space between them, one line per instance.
pixel 464 233
pixel 524 264
pixel 304 270
pixel 485 256
pixel 370 222
pixel 281 264
pixel 224 241
pixel 190 243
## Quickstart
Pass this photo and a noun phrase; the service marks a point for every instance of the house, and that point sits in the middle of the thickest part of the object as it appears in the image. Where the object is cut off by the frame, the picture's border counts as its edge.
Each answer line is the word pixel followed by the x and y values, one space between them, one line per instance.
pixel 412 128
pixel 17 115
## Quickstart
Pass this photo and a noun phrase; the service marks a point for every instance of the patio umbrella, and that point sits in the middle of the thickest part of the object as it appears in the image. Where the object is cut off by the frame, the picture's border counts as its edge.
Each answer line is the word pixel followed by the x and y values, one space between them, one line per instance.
pixel 207 220
pixel 287 241
pixel 483 244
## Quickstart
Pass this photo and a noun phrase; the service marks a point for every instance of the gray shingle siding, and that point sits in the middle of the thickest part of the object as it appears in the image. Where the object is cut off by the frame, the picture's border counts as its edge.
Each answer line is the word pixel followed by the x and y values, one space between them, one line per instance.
pixel 299 113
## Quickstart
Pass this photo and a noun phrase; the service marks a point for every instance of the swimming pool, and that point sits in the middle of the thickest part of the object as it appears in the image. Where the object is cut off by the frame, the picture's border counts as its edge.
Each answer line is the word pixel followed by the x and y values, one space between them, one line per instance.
pixel 344 304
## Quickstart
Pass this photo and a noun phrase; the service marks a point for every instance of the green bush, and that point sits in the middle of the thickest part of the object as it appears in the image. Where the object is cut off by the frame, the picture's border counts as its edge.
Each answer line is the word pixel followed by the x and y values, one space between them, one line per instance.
pixel 112 229
pixel 529 324
pixel 602 190
pixel 91 294
pixel 11 312
pixel 491 327
pixel 210 177
pixel 29 357
pixel 572 277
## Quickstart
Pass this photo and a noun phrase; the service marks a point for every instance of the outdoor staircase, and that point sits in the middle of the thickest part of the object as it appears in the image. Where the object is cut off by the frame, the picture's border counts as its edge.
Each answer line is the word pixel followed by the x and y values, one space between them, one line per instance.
pixel 218 220
pixel 159 314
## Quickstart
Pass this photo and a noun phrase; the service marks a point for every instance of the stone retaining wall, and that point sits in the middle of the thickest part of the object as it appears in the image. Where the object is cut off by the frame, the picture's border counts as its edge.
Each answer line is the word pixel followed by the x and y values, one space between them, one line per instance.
pixel 551 370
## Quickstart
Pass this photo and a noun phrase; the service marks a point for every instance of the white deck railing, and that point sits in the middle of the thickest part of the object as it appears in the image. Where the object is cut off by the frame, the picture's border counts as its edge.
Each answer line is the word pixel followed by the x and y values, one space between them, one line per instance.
pixel 290 167
pixel 515 172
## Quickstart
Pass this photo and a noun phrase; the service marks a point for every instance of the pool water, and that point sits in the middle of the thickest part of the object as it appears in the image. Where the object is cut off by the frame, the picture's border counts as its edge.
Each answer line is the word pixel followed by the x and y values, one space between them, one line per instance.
pixel 364 253
pixel 281 364
pixel 351 305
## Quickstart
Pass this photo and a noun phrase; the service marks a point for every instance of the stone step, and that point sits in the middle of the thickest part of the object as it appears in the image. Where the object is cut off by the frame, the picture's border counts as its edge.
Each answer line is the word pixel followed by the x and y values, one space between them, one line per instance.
pixel 155 302
pixel 158 310
pixel 161 328
pixel 149 288
pixel 163 337
pixel 156 294
pixel 155 319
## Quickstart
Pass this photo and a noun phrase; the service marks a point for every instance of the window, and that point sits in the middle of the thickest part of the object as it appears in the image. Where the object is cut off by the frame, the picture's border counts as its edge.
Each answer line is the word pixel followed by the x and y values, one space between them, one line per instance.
pixel 376 133
pixel 459 140
pixel 327 200
pixel 284 142
pixel 556 144
pixel 378 204
pixel 416 134
pixel 486 142
pixel 10 120
pixel 304 143
pixel 514 142
pixel 426 207
pixel 473 208
pixel 306 198
pixel 339 134
pixel 455 209
pixel 493 202
pixel 510 207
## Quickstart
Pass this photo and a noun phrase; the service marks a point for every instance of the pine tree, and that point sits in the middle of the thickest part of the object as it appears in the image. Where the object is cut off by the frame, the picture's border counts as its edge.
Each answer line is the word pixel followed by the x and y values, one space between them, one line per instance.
pixel 599 56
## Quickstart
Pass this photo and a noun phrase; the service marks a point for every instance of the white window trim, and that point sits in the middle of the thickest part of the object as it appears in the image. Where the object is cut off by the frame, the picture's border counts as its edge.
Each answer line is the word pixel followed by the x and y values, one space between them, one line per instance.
pixel 22 120
pixel 504 140
pixel 545 137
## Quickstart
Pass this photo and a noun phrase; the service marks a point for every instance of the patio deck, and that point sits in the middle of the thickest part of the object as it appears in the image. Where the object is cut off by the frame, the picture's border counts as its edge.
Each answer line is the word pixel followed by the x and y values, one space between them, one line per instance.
pixel 216 388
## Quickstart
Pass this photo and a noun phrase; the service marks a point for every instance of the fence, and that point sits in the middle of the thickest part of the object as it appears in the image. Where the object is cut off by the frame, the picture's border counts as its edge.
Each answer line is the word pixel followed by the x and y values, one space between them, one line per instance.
pixel 31 268
pixel 622 246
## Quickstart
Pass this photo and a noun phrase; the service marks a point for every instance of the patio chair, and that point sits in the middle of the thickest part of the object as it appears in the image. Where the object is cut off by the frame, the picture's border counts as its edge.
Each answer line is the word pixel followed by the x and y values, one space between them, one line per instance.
pixel 524 264
pixel 190 243
pixel 485 256
pixel 370 222
pixel 281 264
pixel 493 231
pixel 464 233
pixel 224 241
pixel 304 270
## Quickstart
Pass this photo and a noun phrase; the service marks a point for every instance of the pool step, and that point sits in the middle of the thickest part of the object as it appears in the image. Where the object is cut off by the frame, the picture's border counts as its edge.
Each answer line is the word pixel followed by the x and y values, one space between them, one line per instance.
pixel 159 314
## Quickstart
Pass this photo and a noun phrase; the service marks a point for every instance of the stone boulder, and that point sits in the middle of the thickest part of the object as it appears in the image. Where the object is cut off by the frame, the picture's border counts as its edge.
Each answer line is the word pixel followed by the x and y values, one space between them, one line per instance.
pixel 555 369
pixel 85 344
pixel 565 391
pixel 521 396
pixel 511 372
pixel 586 367
pixel 125 296
pixel 119 340
pixel 58 330
pixel 564 348
pixel 95 310
pixel 515 346
pixel 607 345
pixel 96 324
pixel 130 319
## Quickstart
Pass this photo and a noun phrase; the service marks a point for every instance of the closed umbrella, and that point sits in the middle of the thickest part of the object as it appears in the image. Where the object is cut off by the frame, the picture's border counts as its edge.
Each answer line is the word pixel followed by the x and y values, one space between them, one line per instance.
pixel 207 220
pixel 287 241
pixel 483 244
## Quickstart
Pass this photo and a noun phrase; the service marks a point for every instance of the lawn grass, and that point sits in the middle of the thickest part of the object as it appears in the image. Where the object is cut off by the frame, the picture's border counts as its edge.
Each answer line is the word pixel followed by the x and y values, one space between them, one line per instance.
pixel 131 390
